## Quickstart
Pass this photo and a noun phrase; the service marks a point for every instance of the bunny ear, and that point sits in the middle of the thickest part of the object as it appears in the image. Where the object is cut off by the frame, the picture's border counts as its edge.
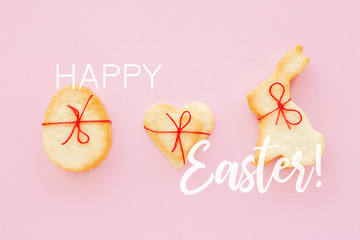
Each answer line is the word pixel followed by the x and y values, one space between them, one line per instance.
pixel 293 63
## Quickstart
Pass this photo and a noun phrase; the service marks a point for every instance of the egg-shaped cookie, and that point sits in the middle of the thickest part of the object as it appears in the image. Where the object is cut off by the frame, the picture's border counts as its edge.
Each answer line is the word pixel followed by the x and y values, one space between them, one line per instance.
pixel 76 130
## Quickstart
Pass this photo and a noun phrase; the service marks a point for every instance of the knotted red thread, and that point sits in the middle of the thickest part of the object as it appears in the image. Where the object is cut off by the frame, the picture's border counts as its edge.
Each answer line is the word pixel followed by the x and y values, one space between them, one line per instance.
pixel 281 107
pixel 178 132
pixel 77 123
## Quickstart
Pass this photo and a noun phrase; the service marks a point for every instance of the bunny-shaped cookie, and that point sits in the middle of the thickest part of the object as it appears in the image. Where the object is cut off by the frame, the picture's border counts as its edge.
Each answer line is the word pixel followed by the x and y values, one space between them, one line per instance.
pixel 280 118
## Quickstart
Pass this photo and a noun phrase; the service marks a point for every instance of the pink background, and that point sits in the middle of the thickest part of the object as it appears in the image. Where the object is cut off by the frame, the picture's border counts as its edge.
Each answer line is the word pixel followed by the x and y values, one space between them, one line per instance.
pixel 213 52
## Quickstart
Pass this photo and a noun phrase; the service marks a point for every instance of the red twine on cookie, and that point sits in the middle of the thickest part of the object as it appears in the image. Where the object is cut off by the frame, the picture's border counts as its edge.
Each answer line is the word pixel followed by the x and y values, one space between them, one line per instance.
pixel 77 123
pixel 178 132
pixel 281 107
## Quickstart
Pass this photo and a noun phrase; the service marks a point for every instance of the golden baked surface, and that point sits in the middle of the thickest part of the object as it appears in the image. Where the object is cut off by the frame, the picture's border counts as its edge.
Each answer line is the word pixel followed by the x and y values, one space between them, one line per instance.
pixel 156 119
pixel 301 136
pixel 74 155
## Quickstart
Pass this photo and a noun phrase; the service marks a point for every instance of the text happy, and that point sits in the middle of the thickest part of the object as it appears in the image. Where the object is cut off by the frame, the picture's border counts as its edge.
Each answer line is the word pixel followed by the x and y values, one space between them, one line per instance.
pixel 108 71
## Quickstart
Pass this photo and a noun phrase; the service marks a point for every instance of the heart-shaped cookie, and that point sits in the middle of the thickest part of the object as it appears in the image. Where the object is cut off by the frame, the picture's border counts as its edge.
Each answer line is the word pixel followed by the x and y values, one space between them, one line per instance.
pixel 175 131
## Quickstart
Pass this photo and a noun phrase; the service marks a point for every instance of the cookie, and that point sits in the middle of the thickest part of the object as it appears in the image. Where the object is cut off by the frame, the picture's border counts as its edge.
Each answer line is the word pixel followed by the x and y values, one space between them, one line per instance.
pixel 76 130
pixel 280 118
pixel 176 131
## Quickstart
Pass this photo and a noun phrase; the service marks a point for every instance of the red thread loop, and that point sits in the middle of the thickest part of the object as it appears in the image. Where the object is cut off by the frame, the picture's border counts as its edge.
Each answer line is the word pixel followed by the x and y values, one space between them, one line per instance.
pixel 77 123
pixel 179 130
pixel 281 107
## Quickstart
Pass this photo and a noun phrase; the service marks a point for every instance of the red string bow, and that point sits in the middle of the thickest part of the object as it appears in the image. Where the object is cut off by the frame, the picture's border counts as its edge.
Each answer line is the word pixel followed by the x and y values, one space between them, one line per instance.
pixel 179 130
pixel 77 123
pixel 281 107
